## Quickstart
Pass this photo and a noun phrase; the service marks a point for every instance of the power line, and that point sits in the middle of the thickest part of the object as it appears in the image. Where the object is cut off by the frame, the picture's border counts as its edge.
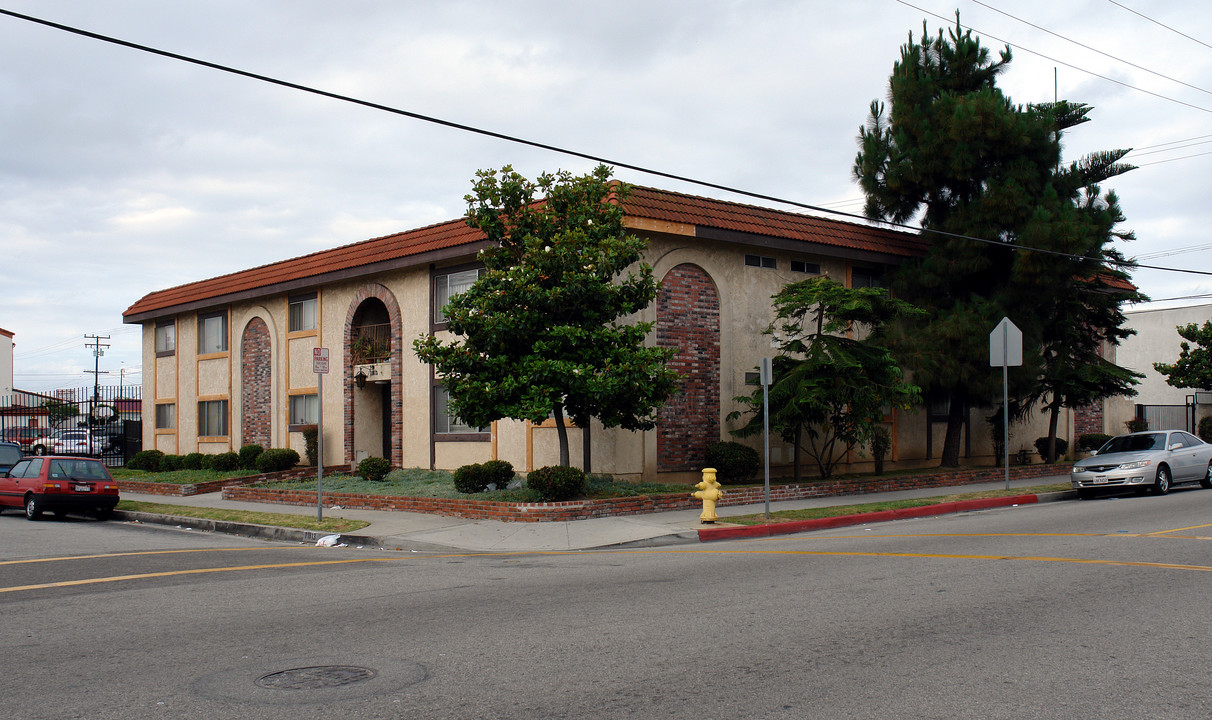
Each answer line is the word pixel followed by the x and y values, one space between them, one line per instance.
pixel 1155 22
pixel 1092 49
pixel 560 150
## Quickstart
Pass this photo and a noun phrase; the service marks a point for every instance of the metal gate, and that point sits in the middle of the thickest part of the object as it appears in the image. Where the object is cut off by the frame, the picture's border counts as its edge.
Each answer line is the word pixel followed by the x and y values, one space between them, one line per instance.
pixel 1168 417
pixel 110 418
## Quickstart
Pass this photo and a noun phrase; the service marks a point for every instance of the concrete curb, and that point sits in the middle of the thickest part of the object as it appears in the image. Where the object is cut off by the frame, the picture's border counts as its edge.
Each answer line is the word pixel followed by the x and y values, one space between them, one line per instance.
pixel 797 526
pixel 263 532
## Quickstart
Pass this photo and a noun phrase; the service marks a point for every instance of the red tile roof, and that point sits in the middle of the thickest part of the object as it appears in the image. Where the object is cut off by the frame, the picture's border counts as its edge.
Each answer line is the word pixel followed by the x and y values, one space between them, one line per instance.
pixel 648 203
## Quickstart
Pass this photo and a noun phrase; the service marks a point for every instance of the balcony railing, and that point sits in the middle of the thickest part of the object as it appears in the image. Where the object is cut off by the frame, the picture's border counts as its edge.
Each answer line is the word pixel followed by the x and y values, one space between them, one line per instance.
pixel 370 344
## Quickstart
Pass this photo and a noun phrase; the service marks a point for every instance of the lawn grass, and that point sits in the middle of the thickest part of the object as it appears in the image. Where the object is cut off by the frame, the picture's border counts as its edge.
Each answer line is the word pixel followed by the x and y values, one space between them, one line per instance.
pixel 178 477
pixel 287 520
pixel 861 508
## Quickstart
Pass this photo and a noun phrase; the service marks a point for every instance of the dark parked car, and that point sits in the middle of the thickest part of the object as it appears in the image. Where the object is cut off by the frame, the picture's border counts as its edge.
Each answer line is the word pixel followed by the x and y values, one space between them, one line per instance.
pixel 10 455
pixel 59 484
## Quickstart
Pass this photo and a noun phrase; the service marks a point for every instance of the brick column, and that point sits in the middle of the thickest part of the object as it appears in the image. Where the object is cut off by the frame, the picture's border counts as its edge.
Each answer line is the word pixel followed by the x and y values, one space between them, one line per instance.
pixel 688 319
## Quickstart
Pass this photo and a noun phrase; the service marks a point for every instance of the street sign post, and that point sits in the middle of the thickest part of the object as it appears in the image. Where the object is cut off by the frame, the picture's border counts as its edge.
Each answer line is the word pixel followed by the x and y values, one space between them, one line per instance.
pixel 319 365
pixel 1006 349
pixel 765 374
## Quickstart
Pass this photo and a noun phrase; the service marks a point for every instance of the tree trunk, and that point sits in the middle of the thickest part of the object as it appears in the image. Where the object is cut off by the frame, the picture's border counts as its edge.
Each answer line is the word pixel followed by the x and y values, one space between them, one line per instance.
pixel 795 454
pixel 1054 412
pixel 955 427
pixel 557 410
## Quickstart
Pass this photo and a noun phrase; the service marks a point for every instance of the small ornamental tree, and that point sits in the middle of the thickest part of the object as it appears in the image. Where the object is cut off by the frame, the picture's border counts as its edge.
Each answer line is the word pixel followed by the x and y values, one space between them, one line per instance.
pixel 1193 369
pixel 543 332
pixel 830 389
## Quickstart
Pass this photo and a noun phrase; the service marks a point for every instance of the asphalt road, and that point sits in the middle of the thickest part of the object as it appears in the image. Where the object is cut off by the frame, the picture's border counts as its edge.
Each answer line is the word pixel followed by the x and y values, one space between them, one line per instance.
pixel 1063 610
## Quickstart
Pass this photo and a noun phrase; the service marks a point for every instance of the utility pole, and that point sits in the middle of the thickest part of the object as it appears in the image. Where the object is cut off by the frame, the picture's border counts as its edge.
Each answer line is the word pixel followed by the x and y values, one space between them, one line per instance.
pixel 98 350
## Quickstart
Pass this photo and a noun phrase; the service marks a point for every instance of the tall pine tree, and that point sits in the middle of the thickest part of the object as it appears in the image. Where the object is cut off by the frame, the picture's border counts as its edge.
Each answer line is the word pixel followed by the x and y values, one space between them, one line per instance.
pixel 955 152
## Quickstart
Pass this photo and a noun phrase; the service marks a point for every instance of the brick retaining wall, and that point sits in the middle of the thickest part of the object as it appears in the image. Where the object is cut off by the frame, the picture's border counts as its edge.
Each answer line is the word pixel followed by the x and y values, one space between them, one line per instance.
pixel 210 486
pixel 611 507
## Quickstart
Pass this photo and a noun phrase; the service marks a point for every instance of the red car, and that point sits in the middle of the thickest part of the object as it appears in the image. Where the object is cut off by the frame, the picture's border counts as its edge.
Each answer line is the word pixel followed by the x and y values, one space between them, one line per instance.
pixel 60 485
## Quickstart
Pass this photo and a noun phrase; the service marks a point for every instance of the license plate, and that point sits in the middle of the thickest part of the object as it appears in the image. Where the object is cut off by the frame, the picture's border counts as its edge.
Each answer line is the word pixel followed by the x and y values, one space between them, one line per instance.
pixel 84 488
pixel 1100 479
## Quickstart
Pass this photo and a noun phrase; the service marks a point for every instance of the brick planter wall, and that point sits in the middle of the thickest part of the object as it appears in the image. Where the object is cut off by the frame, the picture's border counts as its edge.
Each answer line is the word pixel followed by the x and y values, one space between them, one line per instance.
pixel 210 486
pixel 613 507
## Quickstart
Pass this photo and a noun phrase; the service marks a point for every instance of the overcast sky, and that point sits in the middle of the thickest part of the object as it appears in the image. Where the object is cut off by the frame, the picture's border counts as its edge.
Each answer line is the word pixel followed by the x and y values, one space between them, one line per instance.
pixel 122 172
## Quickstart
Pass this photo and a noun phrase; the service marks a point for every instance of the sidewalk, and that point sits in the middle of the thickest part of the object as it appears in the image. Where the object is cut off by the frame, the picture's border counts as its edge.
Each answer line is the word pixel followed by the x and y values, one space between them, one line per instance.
pixel 394 530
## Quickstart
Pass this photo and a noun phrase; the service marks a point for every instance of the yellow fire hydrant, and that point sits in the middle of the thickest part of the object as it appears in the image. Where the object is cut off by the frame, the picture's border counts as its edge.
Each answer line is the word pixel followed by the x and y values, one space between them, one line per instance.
pixel 710 493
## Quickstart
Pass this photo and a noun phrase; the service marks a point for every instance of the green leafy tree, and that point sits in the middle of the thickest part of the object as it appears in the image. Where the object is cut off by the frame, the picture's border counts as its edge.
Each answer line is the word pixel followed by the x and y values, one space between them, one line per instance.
pixel 830 390
pixel 58 412
pixel 542 333
pixel 1193 369
pixel 957 153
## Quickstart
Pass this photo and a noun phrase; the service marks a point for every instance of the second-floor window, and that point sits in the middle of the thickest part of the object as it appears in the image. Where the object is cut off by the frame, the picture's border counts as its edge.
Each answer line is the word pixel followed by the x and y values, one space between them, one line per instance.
pixel 303 309
pixel 447 286
pixel 166 338
pixel 212 333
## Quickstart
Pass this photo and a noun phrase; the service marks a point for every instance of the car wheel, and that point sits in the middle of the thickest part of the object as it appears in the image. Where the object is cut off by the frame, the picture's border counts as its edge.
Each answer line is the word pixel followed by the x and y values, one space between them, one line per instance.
pixel 1162 486
pixel 1207 481
pixel 33 508
pixel 39 450
pixel 103 514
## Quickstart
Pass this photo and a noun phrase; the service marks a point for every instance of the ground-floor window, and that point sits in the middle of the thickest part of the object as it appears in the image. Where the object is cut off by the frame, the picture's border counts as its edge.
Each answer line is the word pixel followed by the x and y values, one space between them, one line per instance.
pixel 166 416
pixel 304 409
pixel 444 422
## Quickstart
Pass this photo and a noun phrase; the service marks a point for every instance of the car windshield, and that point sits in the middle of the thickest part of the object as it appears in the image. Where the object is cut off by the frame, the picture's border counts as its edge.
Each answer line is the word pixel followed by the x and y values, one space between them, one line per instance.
pixel 1134 443
pixel 9 455
pixel 78 470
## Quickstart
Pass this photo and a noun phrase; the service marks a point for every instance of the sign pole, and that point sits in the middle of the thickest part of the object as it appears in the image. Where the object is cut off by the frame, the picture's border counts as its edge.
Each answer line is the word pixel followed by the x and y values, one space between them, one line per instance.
pixel 320 448
pixel 319 365
pixel 765 377
pixel 1006 400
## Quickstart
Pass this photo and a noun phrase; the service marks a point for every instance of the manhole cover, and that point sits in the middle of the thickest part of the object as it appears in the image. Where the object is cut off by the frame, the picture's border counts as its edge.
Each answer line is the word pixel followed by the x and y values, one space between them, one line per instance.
pixel 316 678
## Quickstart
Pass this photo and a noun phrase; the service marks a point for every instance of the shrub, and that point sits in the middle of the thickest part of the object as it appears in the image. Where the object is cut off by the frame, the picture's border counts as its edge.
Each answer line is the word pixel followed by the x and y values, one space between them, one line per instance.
pixel 471 479
pixel 1091 441
pixel 1205 429
pixel 311 443
pixel 225 462
pixel 556 482
pixel 1137 425
pixel 1041 447
pixel 171 463
pixel 248 456
pixel 881 443
pixel 148 460
pixel 193 461
pixel 277 459
pixel 374 469
pixel 499 472
pixel 733 462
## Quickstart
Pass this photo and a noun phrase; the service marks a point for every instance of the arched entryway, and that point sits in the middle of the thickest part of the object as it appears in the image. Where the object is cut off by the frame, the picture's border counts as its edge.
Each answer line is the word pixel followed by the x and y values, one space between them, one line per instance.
pixel 688 320
pixel 372 376
pixel 256 385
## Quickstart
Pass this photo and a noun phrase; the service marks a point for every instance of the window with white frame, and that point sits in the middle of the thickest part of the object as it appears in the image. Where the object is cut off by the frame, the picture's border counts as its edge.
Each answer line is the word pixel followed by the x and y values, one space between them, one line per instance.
pixel 303 310
pixel 304 409
pixel 212 333
pixel 212 418
pixel 447 286
pixel 166 416
pixel 444 422
pixel 166 337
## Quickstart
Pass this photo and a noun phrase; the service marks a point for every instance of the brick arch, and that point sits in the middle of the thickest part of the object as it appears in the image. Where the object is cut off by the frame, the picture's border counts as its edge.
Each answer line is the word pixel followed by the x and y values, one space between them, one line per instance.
pixel 256 384
pixel 688 319
pixel 381 293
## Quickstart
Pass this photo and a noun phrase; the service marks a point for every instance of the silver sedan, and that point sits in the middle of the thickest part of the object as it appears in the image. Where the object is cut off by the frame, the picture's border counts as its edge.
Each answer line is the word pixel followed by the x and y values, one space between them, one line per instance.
pixel 1143 461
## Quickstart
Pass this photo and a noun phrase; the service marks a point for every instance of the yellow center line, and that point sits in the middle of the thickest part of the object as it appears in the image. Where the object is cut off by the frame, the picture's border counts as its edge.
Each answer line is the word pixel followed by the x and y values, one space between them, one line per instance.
pixel 1193 527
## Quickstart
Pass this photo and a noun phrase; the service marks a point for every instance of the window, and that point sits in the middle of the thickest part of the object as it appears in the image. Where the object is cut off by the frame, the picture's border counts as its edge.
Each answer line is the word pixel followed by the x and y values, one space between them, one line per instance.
pixel 805 267
pixel 304 409
pixel 447 286
pixel 303 312
pixel 761 261
pixel 444 422
pixel 212 333
pixel 166 416
pixel 865 278
pixel 212 418
pixel 166 338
